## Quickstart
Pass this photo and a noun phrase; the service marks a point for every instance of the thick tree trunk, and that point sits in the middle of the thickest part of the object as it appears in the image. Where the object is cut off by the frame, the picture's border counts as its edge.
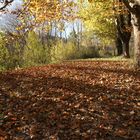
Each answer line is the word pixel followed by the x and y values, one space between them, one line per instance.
pixel 123 35
pixel 136 28
pixel 127 35
pixel 137 45
pixel 134 8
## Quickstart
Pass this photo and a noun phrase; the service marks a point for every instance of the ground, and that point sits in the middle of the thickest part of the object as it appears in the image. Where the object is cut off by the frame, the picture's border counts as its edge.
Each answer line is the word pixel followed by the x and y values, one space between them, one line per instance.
pixel 76 100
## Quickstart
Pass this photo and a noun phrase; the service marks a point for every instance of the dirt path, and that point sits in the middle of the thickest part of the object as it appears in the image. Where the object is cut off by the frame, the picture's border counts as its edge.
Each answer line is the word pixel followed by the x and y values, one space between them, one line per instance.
pixel 71 101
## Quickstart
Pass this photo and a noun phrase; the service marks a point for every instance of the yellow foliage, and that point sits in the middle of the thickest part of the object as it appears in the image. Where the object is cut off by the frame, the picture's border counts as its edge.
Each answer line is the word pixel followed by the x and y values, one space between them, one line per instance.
pixel 46 10
pixel 90 1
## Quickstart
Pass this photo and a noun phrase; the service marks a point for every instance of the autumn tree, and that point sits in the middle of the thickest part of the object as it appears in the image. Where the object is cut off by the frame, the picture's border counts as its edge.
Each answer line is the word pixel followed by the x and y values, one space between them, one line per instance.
pixel 41 11
pixel 133 7
pixel 99 18
pixel 109 23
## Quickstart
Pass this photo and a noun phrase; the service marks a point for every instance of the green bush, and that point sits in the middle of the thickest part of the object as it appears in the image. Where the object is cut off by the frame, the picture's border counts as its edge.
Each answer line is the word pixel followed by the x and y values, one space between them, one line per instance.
pixel 37 53
pixel 63 51
pixel 4 54
pixel 10 54
pixel 88 52
pixel 68 51
pixel 15 58
pixel 34 52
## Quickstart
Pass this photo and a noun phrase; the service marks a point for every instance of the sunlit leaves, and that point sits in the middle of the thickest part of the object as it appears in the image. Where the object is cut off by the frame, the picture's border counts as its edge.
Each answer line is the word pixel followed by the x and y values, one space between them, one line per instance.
pixel 91 1
pixel 98 17
pixel 41 11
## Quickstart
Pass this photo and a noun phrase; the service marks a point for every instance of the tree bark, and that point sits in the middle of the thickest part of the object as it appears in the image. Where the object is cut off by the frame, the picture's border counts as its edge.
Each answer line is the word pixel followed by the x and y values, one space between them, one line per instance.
pixel 137 45
pixel 119 46
pixel 136 27
pixel 123 35
pixel 126 50
pixel 134 8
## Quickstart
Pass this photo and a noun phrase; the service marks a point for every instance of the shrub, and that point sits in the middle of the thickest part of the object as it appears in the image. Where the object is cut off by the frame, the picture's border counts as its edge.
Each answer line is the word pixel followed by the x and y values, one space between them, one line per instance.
pixel 34 52
pixel 3 54
pixel 37 53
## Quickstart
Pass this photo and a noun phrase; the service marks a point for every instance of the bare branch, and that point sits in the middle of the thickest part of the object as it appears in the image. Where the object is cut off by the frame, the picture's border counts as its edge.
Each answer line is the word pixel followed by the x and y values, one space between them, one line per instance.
pixel 5 3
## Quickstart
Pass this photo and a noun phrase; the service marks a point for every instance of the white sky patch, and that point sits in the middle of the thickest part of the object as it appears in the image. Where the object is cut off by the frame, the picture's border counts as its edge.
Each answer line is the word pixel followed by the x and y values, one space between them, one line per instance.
pixel 6 18
pixel 17 4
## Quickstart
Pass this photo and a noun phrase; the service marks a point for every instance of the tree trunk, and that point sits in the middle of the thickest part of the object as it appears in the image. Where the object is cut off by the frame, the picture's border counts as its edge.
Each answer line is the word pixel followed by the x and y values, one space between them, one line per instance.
pixel 137 45
pixel 126 35
pixel 134 8
pixel 123 34
pixel 136 27
pixel 119 46
pixel 126 50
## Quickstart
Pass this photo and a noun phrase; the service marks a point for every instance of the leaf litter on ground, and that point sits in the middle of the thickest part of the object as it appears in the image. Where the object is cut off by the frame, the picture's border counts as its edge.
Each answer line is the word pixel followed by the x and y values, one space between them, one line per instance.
pixel 71 101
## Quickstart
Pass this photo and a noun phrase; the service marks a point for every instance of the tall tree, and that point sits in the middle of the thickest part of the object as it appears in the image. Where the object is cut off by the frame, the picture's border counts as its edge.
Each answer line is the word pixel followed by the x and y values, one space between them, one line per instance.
pixel 134 8
pixel 99 18
pixel 40 11
pixel 109 21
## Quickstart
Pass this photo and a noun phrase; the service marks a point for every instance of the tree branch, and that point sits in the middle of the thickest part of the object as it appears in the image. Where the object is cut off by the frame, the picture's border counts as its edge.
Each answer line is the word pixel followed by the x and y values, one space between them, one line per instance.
pixel 5 4
pixel 126 3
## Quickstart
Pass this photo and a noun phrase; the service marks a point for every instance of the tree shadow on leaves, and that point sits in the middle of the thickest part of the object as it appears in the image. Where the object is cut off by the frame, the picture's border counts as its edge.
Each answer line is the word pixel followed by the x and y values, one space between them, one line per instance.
pixel 66 108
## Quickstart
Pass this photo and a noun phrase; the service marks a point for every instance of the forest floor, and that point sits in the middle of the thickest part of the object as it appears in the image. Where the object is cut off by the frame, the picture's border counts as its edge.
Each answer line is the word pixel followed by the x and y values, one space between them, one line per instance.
pixel 76 100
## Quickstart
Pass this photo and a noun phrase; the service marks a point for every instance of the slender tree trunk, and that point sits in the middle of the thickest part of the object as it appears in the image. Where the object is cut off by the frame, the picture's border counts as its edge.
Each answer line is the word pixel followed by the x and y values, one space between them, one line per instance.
pixel 78 35
pixel 66 39
pixel 75 36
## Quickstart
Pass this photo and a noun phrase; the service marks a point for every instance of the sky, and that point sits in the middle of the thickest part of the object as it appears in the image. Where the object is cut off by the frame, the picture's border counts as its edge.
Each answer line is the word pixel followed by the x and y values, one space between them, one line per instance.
pixel 6 18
